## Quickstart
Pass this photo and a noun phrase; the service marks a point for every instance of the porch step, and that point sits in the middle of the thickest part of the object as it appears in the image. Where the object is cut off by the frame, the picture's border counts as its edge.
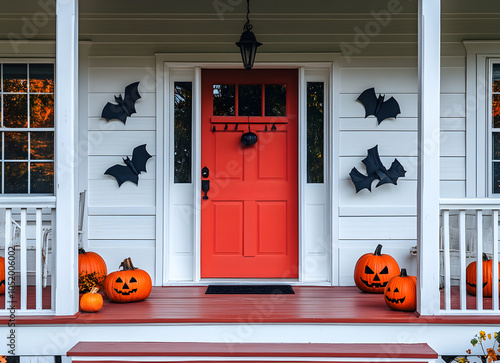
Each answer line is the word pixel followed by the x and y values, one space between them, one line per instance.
pixel 187 351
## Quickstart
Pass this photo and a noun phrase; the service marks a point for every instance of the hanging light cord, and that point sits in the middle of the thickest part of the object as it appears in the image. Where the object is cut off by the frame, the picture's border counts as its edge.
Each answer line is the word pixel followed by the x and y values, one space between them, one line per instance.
pixel 247 25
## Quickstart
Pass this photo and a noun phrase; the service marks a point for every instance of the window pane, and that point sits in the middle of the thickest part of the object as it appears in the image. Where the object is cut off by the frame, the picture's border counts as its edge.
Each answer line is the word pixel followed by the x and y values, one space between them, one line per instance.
pixel 315 127
pixel 249 100
pixel 16 177
pixel 41 78
pixel 496 177
pixel 42 145
pixel 16 146
pixel 42 110
pixel 275 100
pixel 223 99
pixel 42 178
pixel 15 78
pixel 182 131
pixel 15 111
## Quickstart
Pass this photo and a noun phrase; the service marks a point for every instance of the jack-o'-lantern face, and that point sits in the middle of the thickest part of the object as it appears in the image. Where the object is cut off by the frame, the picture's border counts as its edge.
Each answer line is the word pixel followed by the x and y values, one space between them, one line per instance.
pixel 471 274
pixel 127 285
pixel 374 270
pixel 400 292
pixel 2 275
pixel 125 289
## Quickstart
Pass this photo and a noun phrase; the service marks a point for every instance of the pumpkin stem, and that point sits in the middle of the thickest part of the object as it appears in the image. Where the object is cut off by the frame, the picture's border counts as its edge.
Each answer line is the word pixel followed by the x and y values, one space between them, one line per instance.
pixel 127 264
pixel 94 290
pixel 81 251
pixel 378 250
pixel 403 273
pixel 485 257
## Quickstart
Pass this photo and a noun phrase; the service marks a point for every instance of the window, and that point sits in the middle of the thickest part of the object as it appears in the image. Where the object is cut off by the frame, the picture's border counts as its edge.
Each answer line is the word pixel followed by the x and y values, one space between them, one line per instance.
pixel 27 135
pixel 495 128
pixel 182 131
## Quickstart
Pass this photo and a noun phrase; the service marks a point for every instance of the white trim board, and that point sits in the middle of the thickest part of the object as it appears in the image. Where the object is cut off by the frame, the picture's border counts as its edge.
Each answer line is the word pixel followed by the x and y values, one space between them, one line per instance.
pixel 173 66
pixel 479 54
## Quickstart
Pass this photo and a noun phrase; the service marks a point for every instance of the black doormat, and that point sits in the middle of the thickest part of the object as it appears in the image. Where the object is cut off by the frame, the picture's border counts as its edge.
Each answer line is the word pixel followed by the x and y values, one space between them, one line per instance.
pixel 249 289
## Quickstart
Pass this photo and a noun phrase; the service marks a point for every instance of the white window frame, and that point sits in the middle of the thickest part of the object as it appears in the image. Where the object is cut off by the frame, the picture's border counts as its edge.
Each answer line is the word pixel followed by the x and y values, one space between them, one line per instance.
pixel 480 57
pixel 166 63
pixel 491 129
pixel 28 194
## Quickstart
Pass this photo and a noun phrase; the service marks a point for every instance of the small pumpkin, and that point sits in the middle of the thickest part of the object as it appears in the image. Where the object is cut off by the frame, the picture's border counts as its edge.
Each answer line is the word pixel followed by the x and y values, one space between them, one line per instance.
pixel 2 276
pixel 374 270
pixel 91 302
pixel 128 285
pixel 401 292
pixel 248 138
pixel 471 275
pixel 92 270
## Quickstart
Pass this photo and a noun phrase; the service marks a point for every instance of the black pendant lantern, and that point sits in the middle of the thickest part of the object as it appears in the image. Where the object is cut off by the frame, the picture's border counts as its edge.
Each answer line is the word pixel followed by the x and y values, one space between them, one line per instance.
pixel 248 43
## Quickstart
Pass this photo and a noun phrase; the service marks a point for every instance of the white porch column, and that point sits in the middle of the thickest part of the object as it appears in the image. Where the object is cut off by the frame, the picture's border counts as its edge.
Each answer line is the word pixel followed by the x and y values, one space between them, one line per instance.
pixel 429 39
pixel 66 111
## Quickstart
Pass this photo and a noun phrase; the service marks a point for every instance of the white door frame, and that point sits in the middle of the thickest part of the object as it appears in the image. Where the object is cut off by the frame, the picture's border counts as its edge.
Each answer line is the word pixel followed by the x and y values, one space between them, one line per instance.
pixel 310 66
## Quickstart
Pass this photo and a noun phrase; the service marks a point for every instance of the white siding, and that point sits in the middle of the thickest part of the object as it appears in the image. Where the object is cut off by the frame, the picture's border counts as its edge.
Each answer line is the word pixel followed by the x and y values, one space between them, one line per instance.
pixel 121 220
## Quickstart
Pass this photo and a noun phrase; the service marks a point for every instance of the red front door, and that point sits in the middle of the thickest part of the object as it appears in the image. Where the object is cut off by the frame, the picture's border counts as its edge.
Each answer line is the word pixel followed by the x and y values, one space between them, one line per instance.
pixel 249 223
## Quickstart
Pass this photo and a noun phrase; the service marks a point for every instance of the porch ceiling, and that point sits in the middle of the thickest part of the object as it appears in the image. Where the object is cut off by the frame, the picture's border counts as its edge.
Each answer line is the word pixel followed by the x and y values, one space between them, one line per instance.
pixel 125 27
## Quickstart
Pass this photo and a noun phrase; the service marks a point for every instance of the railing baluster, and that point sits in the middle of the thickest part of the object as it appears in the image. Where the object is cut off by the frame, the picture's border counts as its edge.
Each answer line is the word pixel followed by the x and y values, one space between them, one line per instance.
pixel 38 258
pixel 24 260
pixel 479 264
pixel 463 260
pixel 446 255
pixel 495 260
pixel 8 241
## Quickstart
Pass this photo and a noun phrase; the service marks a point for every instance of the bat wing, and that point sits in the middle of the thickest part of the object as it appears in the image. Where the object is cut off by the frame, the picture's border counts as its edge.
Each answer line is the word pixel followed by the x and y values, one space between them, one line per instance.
pixel 111 111
pixel 122 173
pixel 388 109
pixel 369 100
pixel 140 156
pixel 391 176
pixel 131 96
pixel 372 161
pixel 361 181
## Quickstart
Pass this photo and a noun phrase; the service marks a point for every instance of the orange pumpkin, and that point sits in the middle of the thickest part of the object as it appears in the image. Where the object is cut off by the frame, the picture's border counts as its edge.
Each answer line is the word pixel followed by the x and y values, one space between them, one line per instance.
pixel 401 292
pixel 91 270
pixel 129 284
pixel 374 270
pixel 91 302
pixel 2 276
pixel 471 274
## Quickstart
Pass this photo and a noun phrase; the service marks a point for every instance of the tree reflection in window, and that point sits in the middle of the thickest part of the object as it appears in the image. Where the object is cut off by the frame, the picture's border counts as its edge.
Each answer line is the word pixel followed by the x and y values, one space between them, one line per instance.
pixel 28 111
pixel 315 130
pixel 495 124
pixel 182 131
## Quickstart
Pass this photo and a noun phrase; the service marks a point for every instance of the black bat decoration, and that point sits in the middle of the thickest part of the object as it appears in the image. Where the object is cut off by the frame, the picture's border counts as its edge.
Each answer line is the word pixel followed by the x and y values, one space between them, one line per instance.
pixel 125 107
pixel 132 168
pixel 377 106
pixel 376 170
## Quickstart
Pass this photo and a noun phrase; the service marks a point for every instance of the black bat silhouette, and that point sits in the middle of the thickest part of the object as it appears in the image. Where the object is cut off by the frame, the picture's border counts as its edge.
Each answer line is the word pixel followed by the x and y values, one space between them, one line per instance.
pixel 377 106
pixel 376 170
pixel 125 107
pixel 132 168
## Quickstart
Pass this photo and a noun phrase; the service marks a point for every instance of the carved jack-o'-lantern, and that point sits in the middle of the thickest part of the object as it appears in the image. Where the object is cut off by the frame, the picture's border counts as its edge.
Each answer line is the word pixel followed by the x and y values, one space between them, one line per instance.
pixel 129 284
pixel 401 292
pixel 471 275
pixel 374 270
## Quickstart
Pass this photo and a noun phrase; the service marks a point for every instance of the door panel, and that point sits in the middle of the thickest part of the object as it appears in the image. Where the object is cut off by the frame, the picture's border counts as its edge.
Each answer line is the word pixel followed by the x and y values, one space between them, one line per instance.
pixel 249 221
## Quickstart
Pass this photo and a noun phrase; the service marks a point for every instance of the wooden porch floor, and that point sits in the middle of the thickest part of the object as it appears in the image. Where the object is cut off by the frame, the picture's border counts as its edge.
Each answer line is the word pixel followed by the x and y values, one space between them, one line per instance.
pixel 170 305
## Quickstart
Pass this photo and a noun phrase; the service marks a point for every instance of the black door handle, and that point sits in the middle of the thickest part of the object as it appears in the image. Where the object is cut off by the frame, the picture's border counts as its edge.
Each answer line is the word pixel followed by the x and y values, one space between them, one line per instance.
pixel 205 187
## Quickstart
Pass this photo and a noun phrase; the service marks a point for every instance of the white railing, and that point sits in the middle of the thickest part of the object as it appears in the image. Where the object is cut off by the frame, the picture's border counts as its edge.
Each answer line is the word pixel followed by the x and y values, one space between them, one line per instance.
pixel 27 248
pixel 469 228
